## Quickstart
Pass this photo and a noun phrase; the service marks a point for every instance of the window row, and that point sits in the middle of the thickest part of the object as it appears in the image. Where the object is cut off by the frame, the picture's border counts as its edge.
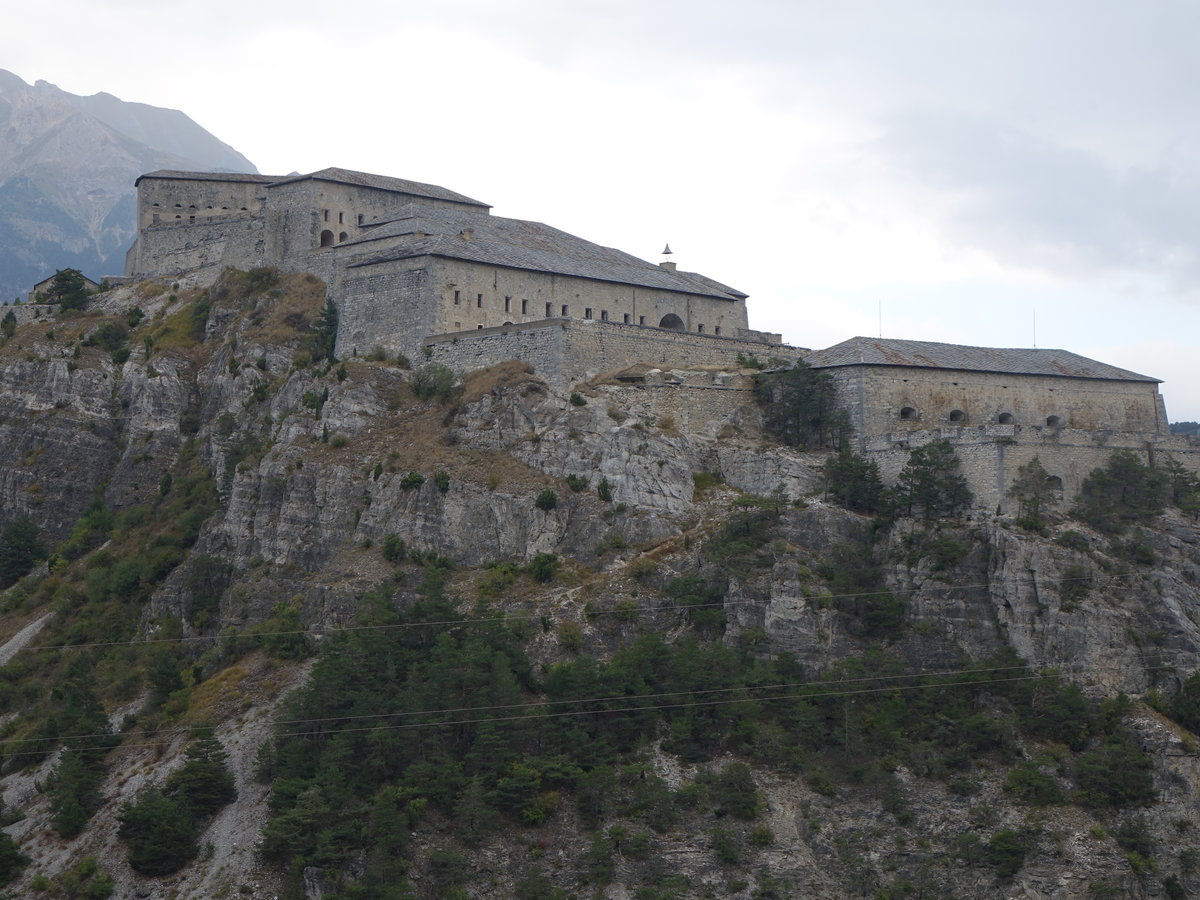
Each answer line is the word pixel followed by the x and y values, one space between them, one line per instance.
pixel 959 417
pixel 669 321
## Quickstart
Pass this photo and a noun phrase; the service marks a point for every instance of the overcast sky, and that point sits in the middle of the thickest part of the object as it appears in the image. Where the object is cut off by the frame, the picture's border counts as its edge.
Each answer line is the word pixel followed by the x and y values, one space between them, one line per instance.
pixel 999 174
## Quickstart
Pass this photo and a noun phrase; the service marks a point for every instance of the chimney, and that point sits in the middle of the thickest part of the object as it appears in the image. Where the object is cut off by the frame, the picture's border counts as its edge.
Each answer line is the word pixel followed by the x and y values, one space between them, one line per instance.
pixel 468 234
pixel 667 263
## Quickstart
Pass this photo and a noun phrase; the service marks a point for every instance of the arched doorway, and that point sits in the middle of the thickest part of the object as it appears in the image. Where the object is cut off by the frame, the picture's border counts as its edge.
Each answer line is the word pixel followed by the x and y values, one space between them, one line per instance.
pixel 671 322
pixel 326 238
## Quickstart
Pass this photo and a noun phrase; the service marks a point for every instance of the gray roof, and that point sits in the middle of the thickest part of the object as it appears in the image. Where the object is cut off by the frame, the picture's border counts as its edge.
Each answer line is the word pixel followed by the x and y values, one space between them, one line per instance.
pixel 865 351
pixel 338 176
pixel 532 246
pixel 384 183
pixel 209 176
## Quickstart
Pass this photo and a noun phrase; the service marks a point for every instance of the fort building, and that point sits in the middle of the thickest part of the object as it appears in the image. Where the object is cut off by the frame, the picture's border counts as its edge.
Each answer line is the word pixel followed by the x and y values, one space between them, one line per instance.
pixel 405 260
pixel 424 271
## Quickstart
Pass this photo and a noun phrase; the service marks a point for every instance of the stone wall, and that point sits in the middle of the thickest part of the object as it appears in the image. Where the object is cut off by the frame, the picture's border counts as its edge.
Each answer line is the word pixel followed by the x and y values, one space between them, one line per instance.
pixel 699 404
pixel 383 306
pixel 167 250
pixel 471 295
pixel 990 455
pixel 885 399
pixel 182 201
pixel 565 351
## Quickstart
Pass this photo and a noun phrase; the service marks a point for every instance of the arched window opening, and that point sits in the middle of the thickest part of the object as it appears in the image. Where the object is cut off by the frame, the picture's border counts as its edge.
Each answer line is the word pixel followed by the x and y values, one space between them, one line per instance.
pixel 957 416
pixel 1053 421
pixel 908 413
pixel 342 237
pixel 1006 419
pixel 672 322
pixel 1054 483
pixel 326 238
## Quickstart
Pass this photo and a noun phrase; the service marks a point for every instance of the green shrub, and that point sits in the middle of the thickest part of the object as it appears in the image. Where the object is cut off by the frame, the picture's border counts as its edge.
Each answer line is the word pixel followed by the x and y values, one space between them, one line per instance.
pixel 604 490
pixel 546 500
pixel 576 483
pixel 577 399
pixel 412 480
pixel 442 479
pixel 435 382
pixel 543 567
pixel 160 833
pixel 393 549
pixel 1117 774
pixel 1006 851
pixel 1029 783
pixel 1122 493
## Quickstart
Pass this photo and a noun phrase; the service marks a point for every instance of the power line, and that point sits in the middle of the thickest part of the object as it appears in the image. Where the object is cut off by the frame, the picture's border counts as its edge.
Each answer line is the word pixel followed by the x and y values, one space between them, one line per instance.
pixel 577 713
pixel 514 617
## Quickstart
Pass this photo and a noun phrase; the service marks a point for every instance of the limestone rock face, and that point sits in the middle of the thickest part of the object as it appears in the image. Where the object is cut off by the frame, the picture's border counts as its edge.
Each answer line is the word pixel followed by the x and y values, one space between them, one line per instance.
pixel 317 466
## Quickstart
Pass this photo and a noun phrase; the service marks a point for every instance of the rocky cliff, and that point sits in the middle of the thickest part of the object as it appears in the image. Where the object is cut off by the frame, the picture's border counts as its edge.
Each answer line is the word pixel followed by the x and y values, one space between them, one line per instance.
pixel 219 499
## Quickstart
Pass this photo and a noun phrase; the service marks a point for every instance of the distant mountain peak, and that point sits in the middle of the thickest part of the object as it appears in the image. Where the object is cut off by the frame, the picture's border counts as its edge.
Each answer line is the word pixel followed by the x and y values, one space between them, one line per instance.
pixel 67 167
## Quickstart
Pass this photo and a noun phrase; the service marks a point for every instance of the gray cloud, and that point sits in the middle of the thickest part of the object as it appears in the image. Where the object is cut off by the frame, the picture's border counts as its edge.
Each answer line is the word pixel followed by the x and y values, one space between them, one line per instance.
pixel 1033 201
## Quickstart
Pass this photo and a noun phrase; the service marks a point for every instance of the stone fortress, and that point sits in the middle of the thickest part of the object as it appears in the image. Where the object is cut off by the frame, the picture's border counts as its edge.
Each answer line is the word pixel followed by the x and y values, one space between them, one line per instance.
pixel 424 271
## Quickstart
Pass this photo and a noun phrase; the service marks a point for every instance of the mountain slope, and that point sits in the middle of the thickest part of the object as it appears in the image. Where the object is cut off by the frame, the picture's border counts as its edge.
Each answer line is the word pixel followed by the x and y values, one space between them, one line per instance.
pixel 67 167
pixel 513 642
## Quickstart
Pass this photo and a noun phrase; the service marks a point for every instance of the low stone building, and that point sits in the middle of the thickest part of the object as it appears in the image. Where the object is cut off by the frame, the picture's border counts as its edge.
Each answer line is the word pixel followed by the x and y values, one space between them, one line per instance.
pixel 999 408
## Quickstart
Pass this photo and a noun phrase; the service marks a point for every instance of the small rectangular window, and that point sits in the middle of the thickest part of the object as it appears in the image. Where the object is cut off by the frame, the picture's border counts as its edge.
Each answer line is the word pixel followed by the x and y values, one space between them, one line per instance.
pixel 604 315
pixel 587 312
pixel 549 311
pixel 564 310
pixel 641 320
pixel 717 330
pixel 524 307
pixel 700 328
pixel 479 327
pixel 341 218
pixel 457 297
pixel 360 218
pixel 508 304
pixel 625 318
pixel 479 301
pixel 458 326
pixel 325 211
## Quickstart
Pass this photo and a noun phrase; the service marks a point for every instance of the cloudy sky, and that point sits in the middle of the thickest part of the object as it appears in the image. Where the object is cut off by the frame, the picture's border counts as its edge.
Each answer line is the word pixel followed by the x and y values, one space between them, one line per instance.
pixel 1000 174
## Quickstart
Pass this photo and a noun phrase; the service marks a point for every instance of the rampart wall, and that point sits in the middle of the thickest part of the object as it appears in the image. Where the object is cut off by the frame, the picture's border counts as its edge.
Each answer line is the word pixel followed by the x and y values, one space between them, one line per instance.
pixel 213 243
pixel 885 399
pixel 566 351
pixel 990 455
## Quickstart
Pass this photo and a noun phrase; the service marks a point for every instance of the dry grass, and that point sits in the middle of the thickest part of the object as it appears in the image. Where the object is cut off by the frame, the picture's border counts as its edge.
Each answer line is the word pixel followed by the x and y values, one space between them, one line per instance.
pixel 287 311
pixel 496 379
pixel 411 436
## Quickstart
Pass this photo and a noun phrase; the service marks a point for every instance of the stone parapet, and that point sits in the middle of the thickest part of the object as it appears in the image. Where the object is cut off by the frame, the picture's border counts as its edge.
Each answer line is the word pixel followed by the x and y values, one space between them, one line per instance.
pixel 565 351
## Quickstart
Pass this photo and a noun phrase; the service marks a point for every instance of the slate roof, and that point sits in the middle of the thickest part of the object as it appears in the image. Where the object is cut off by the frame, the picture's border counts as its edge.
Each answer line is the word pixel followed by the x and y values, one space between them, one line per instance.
pixel 532 246
pixel 209 176
pixel 385 183
pixel 338 176
pixel 859 351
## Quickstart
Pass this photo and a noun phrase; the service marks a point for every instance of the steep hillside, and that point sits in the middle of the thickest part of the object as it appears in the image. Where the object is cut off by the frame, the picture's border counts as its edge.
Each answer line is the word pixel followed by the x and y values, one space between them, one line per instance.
pixel 492 640
pixel 67 167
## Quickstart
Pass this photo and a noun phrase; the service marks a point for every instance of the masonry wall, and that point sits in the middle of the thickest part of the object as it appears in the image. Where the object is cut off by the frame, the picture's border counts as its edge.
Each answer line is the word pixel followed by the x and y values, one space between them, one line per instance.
pixel 171 249
pixel 181 201
pixel 878 396
pixel 698 403
pixel 383 306
pixel 568 351
pixel 991 455
pixel 473 295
